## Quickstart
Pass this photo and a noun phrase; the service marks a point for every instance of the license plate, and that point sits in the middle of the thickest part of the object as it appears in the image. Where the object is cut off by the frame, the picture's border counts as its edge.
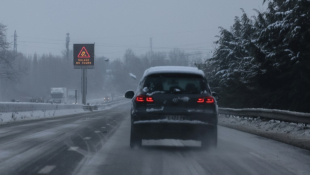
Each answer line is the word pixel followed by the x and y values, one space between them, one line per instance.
pixel 175 117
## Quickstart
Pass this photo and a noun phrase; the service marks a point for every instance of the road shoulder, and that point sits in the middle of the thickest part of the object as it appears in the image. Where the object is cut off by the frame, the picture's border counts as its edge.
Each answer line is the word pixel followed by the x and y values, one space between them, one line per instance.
pixel 289 133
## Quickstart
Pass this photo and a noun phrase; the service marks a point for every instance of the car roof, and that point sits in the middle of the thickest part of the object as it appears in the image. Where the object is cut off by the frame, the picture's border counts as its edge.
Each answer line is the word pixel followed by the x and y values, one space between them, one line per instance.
pixel 173 69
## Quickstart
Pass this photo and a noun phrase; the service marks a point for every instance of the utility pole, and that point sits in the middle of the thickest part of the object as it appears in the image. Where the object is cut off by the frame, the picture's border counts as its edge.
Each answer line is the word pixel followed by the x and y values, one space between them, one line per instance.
pixel 15 42
pixel 67 45
pixel 151 45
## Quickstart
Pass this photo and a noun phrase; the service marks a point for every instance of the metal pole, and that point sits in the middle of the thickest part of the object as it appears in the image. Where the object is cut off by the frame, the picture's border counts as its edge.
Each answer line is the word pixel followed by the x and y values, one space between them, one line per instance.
pixel 15 42
pixel 84 86
pixel 67 45
pixel 76 94
pixel 151 44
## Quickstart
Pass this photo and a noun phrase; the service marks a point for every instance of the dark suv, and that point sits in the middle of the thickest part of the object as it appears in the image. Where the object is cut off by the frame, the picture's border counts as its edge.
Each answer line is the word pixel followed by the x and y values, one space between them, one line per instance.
pixel 174 102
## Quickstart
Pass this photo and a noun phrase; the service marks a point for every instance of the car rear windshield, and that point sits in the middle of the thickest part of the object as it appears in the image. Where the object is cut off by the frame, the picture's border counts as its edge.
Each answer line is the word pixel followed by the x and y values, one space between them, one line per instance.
pixel 176 83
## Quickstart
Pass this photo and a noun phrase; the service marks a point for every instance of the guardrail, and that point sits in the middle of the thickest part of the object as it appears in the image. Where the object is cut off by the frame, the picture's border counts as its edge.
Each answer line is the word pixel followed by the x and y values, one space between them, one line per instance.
pixel 100 100
pixel 26 106
pixel 287 116
pixel 102 105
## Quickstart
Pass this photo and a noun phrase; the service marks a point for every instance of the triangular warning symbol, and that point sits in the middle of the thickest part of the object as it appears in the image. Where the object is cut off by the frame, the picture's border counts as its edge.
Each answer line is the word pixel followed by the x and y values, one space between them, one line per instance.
pixel 83 53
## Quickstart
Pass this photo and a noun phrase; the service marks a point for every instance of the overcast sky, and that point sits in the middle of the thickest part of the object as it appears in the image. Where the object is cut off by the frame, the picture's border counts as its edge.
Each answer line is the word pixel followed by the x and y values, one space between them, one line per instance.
pixel 116 25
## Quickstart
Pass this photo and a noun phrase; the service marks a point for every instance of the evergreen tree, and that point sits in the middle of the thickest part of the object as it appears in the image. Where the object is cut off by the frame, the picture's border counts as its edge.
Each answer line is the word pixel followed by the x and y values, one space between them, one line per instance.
pixel 264 61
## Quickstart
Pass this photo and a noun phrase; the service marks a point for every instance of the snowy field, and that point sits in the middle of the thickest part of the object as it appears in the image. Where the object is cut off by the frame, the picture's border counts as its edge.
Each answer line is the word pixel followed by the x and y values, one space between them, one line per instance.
pixel 6 117
pixel 287 132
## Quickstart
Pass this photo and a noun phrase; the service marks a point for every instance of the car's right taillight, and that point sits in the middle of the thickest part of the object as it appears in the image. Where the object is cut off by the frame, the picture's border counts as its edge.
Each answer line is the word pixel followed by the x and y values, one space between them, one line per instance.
pixel 149 99
pixel 207 99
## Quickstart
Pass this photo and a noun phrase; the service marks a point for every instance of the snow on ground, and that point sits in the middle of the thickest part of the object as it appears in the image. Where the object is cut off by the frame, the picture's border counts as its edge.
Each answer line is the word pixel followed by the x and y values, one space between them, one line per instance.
pixel 101 100
pixel 291 133
pixel 274 126
pixel 40 114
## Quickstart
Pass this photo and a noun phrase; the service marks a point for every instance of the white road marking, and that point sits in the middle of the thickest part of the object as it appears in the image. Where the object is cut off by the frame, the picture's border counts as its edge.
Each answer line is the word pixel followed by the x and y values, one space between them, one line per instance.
pixel 87 138
pixel 256 155
pixel 97 131
pixel 103 127
pixel 73 148
pixel 47 169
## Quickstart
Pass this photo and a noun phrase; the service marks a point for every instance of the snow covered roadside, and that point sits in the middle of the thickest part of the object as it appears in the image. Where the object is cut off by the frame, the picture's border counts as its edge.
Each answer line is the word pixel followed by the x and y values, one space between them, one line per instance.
pixel 40 114
pixel 286 132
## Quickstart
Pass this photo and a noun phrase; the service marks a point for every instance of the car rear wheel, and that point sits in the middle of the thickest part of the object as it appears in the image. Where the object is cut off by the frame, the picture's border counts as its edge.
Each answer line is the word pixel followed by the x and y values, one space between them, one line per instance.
pixel 135 140
pixel 209 140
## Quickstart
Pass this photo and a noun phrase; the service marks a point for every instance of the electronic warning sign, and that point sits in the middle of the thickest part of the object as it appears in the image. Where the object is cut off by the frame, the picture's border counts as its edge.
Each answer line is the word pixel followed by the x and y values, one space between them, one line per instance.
pixel 83 53
pixel 83 56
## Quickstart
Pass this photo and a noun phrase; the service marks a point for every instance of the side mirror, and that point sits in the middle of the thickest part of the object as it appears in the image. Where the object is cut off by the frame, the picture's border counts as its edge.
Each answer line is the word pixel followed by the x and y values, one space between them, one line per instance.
pixel 129 94
pixel 216 96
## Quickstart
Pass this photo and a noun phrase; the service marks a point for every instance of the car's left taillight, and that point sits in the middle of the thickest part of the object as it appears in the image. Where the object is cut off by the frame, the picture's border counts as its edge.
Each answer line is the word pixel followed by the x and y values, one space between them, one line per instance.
pixel 140 98
pixel 143 98
pixel 201 100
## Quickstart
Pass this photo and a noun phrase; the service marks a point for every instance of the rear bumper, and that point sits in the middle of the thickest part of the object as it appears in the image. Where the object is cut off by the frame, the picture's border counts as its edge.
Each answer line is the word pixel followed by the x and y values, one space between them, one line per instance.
pixel 159 125
pixel 193 118
pixel 164 129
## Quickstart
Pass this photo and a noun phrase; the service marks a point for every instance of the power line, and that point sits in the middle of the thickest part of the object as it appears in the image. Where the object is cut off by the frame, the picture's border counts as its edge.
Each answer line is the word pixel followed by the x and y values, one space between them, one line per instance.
pixel 40 42
pixel 130 46
pixel 121 36
pixel 42 38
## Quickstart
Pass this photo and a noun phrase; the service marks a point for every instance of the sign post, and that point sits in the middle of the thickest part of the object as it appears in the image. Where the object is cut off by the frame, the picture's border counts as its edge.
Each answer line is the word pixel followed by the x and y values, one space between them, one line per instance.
pixel 83 58
pixel 75 95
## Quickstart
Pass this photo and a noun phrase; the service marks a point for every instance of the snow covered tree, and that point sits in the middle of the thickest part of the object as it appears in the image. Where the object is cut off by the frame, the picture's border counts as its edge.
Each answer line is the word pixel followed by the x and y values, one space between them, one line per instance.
pixel 8 69
pixel 178 57
pixel 235 68
pixel 264 61
pixel 285 43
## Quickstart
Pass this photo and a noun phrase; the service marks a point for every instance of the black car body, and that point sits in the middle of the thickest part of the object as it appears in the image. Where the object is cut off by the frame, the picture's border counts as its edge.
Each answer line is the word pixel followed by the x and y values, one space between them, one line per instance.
pixel 173 102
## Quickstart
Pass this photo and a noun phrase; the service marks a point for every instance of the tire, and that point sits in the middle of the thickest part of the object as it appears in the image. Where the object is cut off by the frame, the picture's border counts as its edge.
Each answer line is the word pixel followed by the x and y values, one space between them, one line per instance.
pixel 209 140
pixel 135 140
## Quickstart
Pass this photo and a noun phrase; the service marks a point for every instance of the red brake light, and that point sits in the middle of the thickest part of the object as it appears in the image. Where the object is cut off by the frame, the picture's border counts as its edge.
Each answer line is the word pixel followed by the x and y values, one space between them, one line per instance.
pixel 209 100
pixel 200 100
pixel 206 99
pixel 140 98
pixel 149 99
pixel 143 98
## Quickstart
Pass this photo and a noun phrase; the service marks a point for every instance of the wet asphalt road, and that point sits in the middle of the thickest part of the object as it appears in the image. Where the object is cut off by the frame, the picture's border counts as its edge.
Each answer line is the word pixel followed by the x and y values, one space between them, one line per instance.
pixel 98 143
